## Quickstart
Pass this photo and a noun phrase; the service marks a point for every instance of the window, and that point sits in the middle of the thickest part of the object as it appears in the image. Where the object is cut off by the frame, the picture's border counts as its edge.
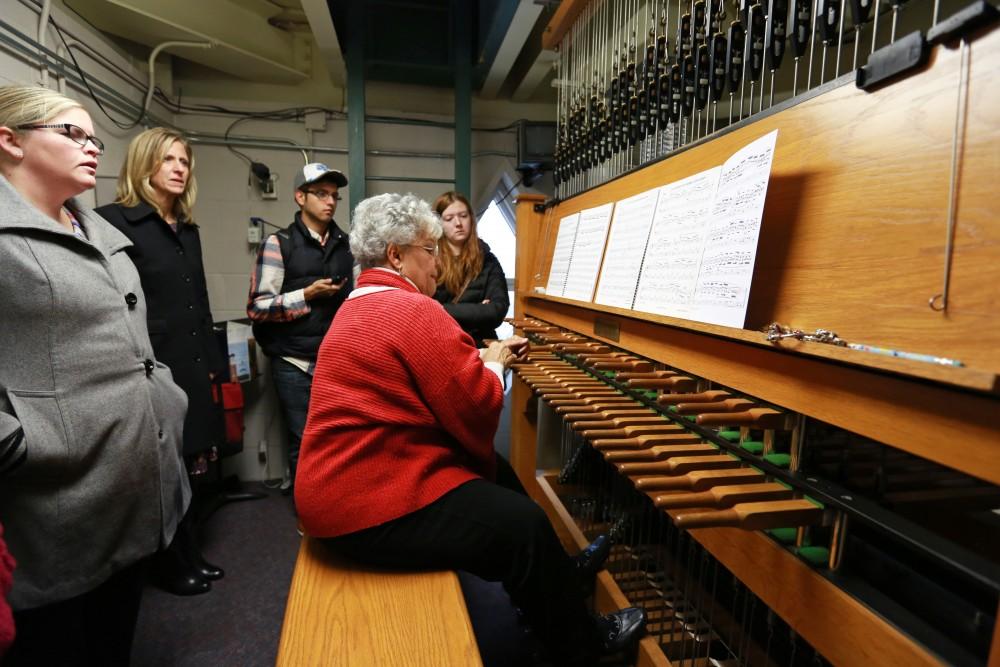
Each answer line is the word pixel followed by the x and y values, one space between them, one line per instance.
pixel 494 229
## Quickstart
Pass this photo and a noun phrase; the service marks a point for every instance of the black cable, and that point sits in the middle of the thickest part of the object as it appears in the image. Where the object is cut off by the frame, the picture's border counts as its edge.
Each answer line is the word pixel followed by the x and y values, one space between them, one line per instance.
pixel 90 90
pixel 505 195
pixel 225 137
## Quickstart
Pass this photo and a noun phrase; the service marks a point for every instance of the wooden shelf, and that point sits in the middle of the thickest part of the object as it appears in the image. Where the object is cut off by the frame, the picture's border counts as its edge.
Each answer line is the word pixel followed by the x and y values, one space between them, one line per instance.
pixel 930 420
pixel 957 376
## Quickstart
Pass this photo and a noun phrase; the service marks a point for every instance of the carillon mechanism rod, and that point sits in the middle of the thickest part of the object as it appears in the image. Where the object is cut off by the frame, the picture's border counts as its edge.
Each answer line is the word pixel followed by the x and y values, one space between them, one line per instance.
pixel 628 97
pixel 939 302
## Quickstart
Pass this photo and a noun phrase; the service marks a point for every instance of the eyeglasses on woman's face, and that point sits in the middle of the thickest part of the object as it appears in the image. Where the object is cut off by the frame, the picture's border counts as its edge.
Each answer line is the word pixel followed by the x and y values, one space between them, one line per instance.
pixel 432 250
pixel 323 195
pixel 75 133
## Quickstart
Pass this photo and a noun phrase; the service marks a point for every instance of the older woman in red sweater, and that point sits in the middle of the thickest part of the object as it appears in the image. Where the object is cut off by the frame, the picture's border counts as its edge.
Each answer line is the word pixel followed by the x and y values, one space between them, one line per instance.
pixel 397 465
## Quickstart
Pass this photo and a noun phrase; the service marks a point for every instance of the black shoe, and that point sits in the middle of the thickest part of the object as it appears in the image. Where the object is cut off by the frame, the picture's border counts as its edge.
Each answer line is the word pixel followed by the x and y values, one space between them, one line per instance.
pixel 174 575
pixel 620 630
pixel 590 561
pixel 180 583
pixel 186 542
pixel 209 571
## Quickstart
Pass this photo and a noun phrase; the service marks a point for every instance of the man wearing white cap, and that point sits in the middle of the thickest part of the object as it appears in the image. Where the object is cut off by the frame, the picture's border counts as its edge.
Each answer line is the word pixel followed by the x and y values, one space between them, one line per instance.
pixel 303 273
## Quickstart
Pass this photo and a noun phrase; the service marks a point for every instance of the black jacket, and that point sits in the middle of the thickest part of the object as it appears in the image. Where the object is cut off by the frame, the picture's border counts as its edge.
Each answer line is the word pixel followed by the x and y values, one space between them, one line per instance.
pixel 476 318
pixel 305 262
pixel 178 315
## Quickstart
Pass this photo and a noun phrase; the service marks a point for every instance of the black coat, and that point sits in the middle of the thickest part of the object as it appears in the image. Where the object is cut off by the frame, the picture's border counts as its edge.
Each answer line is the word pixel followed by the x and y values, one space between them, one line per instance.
pixel 178 315
pixel 476 318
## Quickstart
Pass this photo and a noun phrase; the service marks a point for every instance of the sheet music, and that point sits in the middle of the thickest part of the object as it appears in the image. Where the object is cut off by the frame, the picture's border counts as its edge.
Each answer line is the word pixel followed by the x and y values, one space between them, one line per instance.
pixel 676 242
pixel 588 249
pixel 562 254
pixel 626 245
pixel 723 287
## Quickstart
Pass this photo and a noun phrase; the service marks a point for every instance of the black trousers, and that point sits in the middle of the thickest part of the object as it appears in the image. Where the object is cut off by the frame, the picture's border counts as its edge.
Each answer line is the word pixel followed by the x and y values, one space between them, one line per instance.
pixel 94 629
pixel 496 532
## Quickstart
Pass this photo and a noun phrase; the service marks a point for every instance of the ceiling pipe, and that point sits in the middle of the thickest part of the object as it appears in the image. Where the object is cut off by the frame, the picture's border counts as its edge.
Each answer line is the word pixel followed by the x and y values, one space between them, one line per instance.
pixel 152 66
pixel 43 23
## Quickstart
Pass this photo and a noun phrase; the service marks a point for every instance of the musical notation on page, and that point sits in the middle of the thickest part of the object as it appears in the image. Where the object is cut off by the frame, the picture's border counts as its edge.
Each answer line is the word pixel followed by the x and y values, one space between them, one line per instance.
pixel 723 288
pixel 588 248
pixel 686 249
pixel 676 243
pixel 626 248
pixel 562 254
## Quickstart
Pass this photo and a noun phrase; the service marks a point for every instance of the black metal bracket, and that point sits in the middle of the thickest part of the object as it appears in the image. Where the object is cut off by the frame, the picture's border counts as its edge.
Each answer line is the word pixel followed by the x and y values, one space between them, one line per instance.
pixel 542 208
pixel 965 20
pixel 900 56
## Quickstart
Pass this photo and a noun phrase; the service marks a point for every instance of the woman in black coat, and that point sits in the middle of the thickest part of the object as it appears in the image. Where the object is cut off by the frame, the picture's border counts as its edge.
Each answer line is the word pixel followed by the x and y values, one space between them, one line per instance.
pixel 471 284
pixel 156 192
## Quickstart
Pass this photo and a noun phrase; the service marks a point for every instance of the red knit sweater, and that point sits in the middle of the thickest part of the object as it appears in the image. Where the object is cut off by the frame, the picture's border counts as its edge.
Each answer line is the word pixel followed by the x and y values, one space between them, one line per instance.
pixel 402 411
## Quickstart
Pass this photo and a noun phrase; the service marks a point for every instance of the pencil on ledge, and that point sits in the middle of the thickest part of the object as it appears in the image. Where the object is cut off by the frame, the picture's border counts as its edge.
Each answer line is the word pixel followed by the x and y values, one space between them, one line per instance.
pixel 900 354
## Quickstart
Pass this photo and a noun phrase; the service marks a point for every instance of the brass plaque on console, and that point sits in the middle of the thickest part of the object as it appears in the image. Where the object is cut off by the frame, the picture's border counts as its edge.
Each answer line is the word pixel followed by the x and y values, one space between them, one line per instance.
pixel 606 329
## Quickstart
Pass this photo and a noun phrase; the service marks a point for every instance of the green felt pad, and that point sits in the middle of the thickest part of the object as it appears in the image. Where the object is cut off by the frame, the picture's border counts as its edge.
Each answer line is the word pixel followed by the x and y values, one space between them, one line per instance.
pixel 817 556
pixel 783 535
pixel 780 460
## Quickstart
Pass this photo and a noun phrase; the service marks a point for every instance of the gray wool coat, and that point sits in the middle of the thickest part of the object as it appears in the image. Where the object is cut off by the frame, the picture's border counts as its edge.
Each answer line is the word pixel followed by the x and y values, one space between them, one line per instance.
pixel 97 481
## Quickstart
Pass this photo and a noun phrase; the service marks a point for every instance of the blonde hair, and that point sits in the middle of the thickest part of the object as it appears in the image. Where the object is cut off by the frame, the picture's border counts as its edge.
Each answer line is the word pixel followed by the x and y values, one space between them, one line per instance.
pixel 145 155
pixel 31 105
pixel 457 271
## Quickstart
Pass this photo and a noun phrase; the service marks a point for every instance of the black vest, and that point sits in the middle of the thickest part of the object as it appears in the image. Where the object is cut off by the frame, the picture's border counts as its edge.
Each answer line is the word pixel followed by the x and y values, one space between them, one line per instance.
pixel 306 261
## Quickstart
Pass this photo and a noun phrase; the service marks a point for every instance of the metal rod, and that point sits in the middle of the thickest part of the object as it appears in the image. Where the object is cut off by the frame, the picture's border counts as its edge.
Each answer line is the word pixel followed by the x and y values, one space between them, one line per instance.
pixel 939 302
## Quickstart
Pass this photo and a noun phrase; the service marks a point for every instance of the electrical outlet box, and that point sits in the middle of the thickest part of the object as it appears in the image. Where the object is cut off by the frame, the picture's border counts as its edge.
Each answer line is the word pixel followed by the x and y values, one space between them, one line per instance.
pixel 253 234
pixel 316 120
pixel 267 189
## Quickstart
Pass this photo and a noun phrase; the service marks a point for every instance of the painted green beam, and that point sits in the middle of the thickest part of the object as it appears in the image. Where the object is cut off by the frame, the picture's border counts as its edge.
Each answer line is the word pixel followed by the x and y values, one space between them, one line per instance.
pixel 462 29
pixel 357 187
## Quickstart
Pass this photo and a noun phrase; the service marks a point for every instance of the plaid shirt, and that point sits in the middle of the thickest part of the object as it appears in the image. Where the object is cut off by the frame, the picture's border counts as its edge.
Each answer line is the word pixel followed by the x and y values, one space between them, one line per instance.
pixel 267 303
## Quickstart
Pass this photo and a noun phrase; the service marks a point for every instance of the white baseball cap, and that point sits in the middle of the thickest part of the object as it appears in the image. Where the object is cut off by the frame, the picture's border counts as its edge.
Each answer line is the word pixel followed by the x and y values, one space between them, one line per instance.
pixel 317 171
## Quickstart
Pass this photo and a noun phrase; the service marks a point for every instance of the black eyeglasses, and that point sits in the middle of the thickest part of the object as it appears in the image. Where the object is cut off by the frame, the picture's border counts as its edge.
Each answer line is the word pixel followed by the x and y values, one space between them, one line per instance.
pixel 75 133
pixel 323 196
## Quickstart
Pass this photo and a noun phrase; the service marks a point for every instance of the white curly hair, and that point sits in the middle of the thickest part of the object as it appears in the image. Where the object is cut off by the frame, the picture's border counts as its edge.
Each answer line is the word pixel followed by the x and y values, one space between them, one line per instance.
pixel 389 218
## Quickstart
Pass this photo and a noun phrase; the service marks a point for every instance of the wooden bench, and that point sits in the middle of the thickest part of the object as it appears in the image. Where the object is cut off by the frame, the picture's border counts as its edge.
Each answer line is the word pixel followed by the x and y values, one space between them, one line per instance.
pixel 344 614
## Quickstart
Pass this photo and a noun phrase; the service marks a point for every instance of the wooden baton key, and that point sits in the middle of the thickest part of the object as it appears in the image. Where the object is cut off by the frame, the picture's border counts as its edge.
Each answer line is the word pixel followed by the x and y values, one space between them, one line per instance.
pixel 630 375
pixel 755 516
pixel 701 397
pixel 607 413
pixel 724 496
pixel 675 383
pixel 643 442
pixel 728 405
pixel 619 422
pixel 759 417
pixel 599 406
pixel 632 431
pixel 699 480
pixel 590 400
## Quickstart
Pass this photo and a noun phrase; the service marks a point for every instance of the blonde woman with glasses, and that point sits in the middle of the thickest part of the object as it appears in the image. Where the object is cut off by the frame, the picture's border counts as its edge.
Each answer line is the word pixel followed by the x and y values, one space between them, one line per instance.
pixel 156 195
pixel 91 476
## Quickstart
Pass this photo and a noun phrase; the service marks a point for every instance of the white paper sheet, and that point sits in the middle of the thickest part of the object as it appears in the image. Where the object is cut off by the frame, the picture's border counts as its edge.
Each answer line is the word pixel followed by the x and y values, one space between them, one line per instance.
pixel 676 242
pixel 723 289
pixel 626 246
pixel 562 254
pixel 588 249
